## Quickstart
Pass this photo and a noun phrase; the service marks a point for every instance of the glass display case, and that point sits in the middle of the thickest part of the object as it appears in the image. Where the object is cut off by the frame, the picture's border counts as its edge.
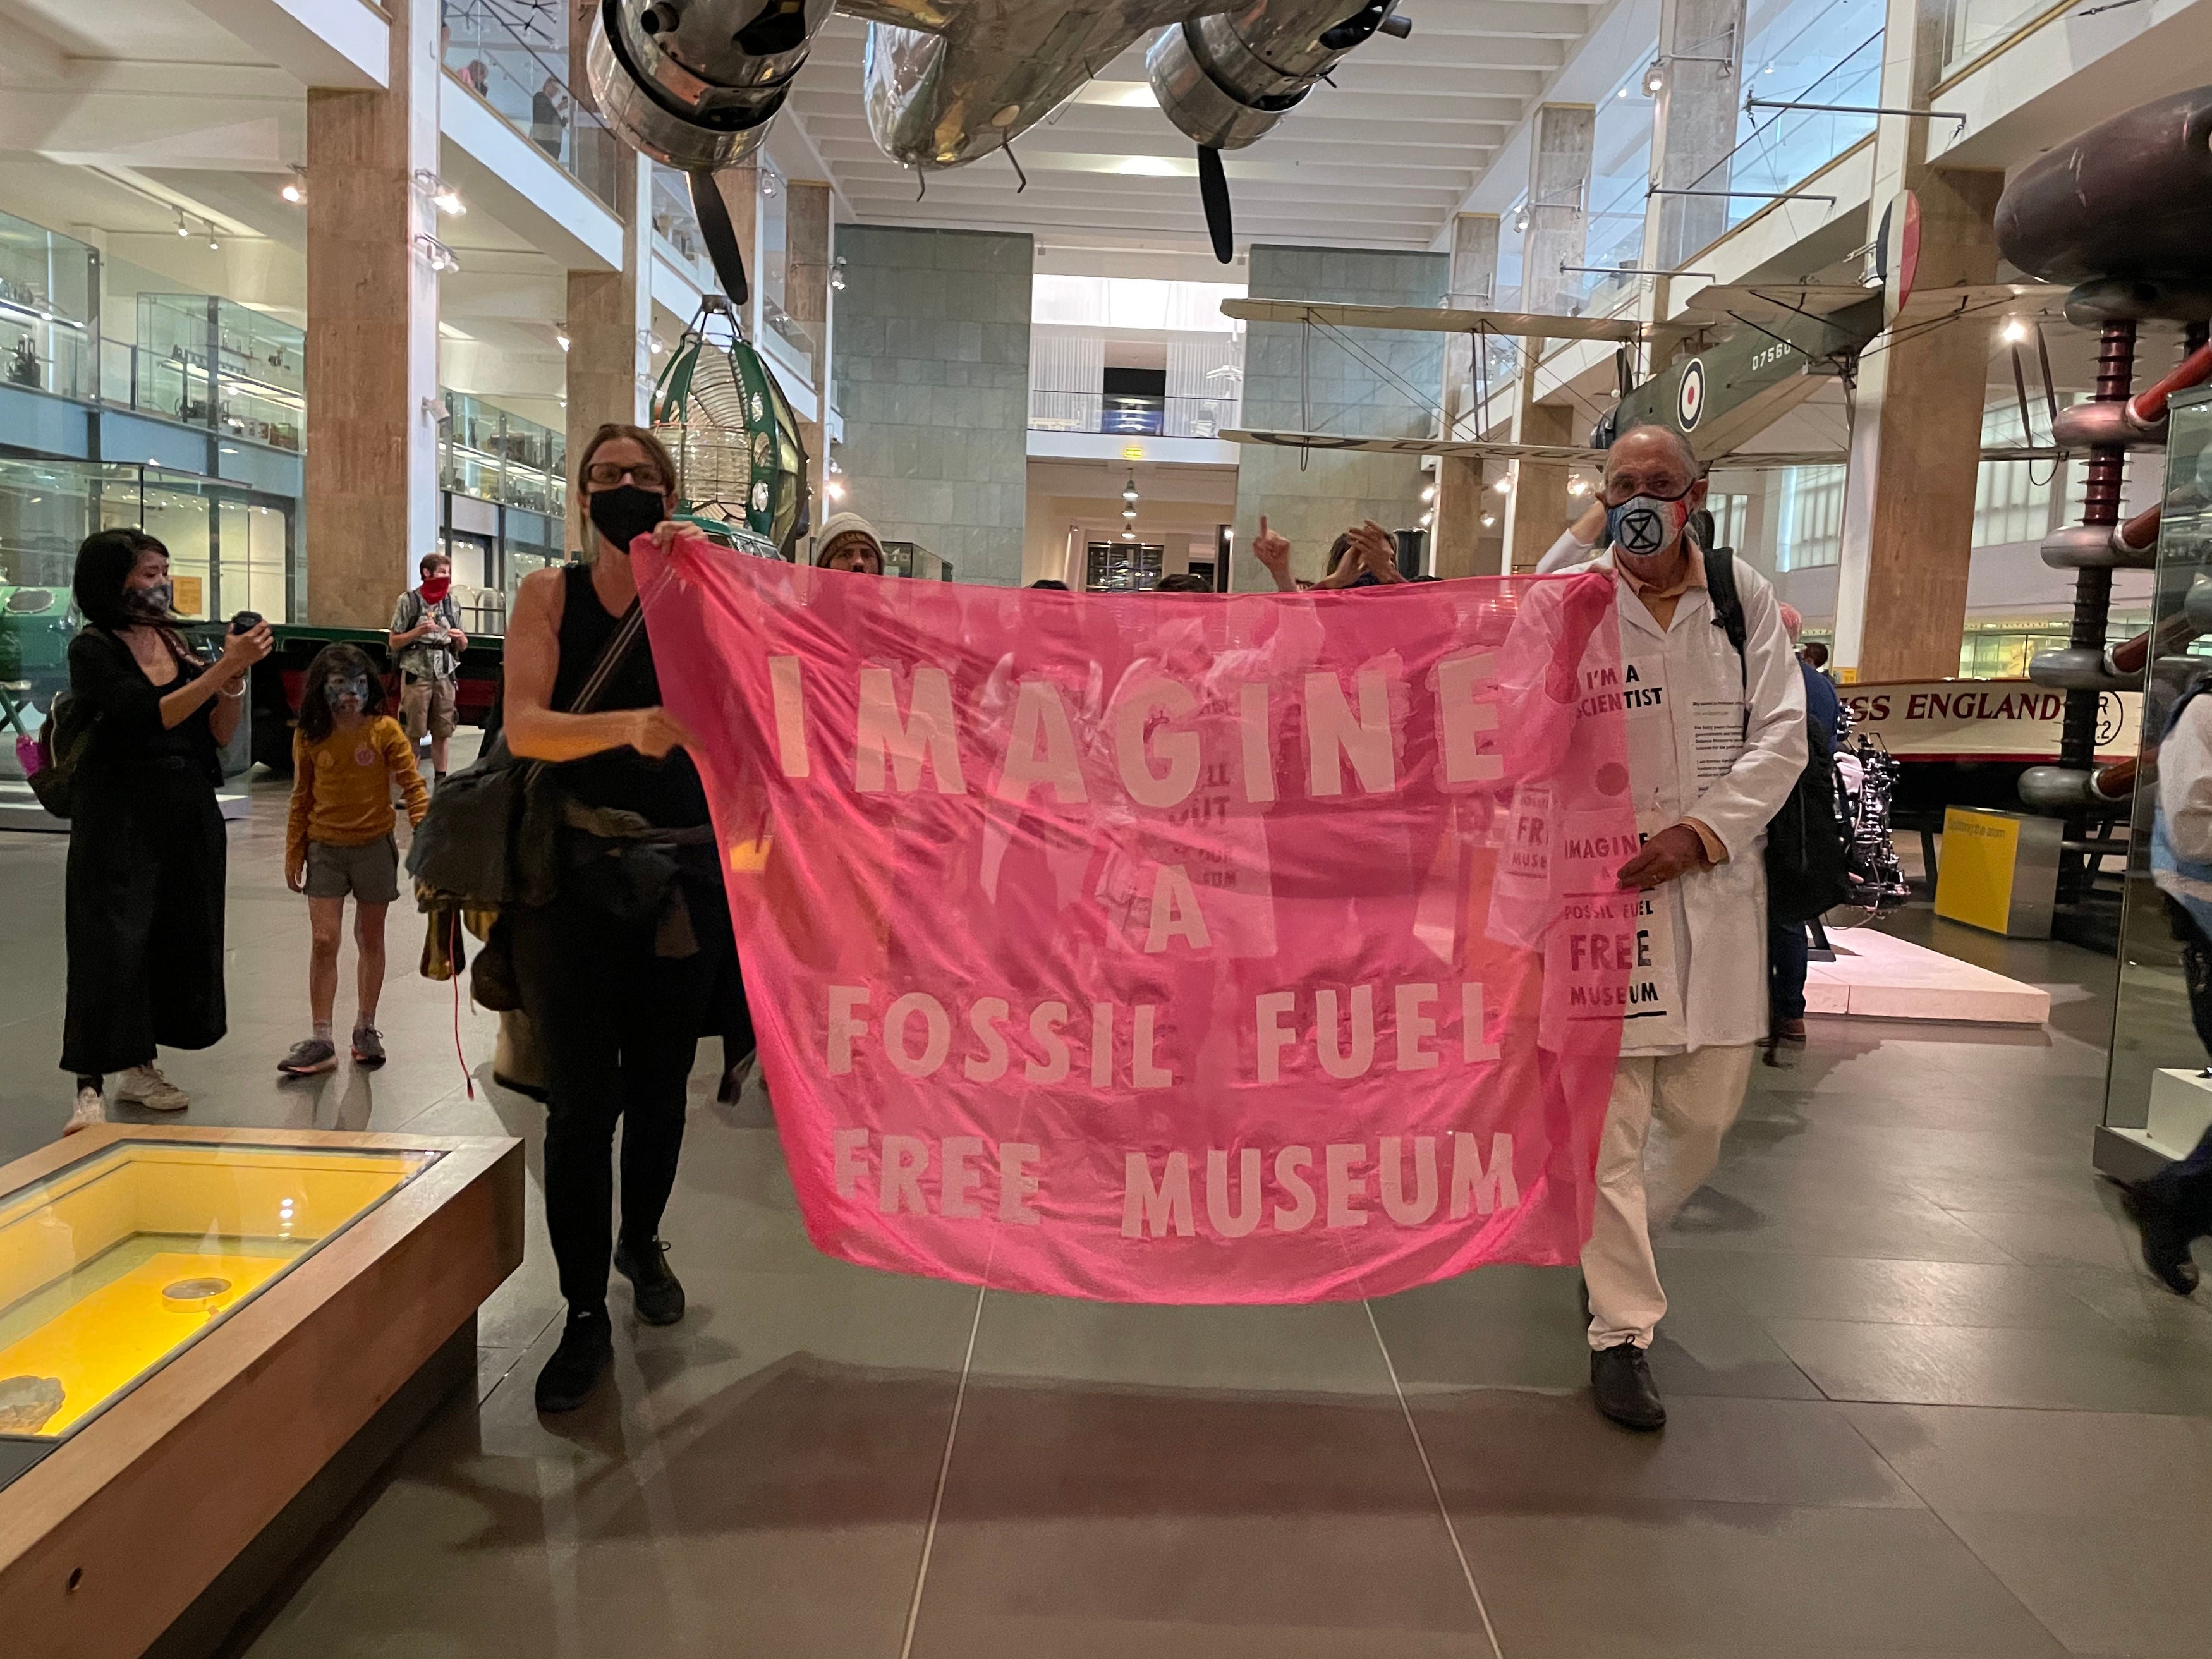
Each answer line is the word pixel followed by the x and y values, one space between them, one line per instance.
pixel 48 310
pixel 2157 1098
pixel 913 559
pixel 485 452
pixel 210 362
pixel 112 1266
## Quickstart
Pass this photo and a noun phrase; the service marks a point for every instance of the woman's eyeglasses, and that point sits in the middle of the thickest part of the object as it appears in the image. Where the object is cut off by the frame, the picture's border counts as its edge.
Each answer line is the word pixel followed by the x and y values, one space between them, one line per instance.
pixel 602 475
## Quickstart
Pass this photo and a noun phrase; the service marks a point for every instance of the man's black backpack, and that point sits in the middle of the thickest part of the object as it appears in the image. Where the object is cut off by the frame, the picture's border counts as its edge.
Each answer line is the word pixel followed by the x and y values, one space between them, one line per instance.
pixel 1808 841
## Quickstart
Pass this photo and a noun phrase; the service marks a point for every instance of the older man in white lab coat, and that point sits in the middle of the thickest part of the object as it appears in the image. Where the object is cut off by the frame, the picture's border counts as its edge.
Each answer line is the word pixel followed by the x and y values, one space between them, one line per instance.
pixel 1716 743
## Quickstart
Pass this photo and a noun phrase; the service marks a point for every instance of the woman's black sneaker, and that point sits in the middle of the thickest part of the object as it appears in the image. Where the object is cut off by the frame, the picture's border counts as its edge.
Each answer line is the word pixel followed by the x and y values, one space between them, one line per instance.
pixel 587 1349
pixel 658 1295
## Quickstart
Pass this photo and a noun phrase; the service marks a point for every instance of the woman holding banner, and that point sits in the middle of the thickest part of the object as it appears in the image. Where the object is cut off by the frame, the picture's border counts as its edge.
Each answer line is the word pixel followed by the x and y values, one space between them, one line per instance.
pixel 620 971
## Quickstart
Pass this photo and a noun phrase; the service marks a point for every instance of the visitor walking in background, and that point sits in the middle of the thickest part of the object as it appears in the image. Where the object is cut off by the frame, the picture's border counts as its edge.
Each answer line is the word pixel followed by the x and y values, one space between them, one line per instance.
pixel 147 858
pixel 427 643
pixel 1789 944
pixel 338 842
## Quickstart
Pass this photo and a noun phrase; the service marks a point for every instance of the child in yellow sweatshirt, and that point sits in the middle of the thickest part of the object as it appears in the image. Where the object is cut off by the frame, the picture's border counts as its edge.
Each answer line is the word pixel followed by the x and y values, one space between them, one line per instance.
pixel 338 842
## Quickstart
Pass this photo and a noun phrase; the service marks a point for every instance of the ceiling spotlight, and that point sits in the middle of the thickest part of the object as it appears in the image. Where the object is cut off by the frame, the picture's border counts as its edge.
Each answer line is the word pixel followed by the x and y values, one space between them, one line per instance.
pixel 1428 492
pixel 1769 70
pixel 1655 79
pixel 443 195
pixel 2014 330
pixel 834 467
pixel 834 490
pixel 1521 217
pixel 768 184
pixel 563 337
pixel 1128 535
pixel 1504 486
pixel 1488 522
pixel 1129 489
pixel 183 229
pixel 441 258
pixel 837 273
pixel 1623 92
pixel 1129 512
pixel 1425 520
pixel 1578 486
pixel 214 246
pixel 296 187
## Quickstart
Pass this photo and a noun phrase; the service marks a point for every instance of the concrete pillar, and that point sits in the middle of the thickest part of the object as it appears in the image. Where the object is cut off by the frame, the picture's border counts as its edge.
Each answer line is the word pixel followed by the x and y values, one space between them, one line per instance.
pixel 1693 126
pixel 1917 430
pixel 371 385
pixel 1472 279
pixel 1457 535
pixel 609 368
pixel 808 210
pixel 1558 182
pixel 1539 507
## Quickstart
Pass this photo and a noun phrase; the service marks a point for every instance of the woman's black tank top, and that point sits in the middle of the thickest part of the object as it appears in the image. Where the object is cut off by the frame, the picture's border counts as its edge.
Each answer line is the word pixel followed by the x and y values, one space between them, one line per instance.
pixel 666 792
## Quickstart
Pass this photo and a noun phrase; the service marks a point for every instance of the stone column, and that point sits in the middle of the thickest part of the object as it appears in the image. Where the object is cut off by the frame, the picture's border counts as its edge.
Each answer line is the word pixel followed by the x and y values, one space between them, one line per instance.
pixel 1559 186
pixel 1473 278
pixel 372 390
pixel 1539 507
pixel 1693 126
pixel 610 369
pixel 1558 180
pixel 1917 430
pixel 807 258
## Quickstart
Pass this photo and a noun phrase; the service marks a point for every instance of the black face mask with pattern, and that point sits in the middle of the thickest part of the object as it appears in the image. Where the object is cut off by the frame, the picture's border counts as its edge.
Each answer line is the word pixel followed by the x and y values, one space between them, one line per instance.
pixel 624 513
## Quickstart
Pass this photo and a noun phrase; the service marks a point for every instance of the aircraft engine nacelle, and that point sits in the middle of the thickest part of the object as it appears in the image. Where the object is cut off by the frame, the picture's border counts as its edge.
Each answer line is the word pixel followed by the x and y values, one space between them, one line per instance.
pixel 1224 79
pixel 695 83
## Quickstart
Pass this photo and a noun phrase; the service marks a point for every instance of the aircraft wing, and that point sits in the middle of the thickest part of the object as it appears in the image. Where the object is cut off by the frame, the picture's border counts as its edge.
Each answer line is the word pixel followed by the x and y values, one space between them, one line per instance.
pixel 1573 455
pixel 929 16
pixel 1434 320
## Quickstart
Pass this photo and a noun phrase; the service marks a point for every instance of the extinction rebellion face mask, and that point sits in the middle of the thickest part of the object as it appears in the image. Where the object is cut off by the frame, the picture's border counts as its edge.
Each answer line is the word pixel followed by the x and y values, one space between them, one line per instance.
pixel 1645 526
pixel 624 513
pixel 347 694
pixel 154 601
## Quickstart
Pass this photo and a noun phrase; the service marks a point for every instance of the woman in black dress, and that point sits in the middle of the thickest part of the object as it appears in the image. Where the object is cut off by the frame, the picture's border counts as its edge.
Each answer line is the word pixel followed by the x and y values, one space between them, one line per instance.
pixel 146 855
pixel 620 972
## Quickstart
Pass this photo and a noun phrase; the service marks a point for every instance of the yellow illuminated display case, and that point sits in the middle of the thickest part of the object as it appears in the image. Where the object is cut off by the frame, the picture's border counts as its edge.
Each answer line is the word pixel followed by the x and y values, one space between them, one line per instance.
pixel 236 1326
pixel 110 1267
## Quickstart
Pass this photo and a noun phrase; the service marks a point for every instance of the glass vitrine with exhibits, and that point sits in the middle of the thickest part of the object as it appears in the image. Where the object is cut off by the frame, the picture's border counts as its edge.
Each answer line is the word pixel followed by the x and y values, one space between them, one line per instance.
pixel 2157 1096
pixel 112 1265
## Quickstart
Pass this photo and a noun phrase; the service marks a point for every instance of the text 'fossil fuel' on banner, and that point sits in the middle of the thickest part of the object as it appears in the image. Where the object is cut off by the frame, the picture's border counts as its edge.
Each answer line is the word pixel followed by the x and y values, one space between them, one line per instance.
pixel 1168 948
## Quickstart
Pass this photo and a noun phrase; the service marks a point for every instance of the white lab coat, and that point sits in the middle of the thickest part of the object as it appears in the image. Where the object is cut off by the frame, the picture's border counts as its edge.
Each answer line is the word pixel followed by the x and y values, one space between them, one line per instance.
pixel 1723 745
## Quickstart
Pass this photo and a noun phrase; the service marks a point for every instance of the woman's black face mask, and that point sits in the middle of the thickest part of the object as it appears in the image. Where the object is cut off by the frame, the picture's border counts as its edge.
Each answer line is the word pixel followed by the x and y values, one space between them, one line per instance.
pixel 624 513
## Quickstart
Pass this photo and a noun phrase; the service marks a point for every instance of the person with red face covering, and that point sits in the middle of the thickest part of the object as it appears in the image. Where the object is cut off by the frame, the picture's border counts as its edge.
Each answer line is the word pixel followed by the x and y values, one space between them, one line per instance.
pixel 427 641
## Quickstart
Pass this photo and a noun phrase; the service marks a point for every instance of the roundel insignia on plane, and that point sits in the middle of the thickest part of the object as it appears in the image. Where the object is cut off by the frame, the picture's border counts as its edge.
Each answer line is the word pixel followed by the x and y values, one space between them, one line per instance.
pixel 1689 396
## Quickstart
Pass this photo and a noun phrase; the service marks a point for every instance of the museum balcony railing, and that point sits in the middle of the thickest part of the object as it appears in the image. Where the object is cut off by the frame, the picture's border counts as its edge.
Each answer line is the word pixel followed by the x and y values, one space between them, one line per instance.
pixel 1118 415
pixel 177 388
pixel 1972 29
pixel 514 55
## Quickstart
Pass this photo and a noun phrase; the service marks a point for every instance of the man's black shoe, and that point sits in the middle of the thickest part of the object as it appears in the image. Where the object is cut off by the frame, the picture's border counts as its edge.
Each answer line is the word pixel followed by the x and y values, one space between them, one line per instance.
pixel 658 1296
pixel 1621 1386
pixel 587 1349
pixel 2164 1241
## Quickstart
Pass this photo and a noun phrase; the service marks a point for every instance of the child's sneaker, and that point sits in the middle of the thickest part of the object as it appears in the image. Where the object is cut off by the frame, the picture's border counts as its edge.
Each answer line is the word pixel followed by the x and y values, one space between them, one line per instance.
pixel 369 1046
pixel 90 1112
pixel 309 1057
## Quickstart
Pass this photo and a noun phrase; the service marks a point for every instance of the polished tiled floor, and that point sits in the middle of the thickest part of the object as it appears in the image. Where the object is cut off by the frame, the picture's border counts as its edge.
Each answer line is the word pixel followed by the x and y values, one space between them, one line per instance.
pixel 1923 1401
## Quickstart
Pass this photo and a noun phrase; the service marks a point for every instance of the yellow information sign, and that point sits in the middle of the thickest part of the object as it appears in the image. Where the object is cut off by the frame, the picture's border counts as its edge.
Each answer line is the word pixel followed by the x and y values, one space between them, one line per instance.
pixel 1998 871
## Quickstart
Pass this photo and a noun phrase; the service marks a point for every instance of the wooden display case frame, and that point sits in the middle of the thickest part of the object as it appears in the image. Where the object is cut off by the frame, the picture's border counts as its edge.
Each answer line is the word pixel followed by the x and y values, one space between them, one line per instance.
pixel 159 1523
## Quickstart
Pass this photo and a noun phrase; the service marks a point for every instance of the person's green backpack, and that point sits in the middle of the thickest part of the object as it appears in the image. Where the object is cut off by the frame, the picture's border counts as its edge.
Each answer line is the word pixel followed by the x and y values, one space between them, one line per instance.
pixel 61 745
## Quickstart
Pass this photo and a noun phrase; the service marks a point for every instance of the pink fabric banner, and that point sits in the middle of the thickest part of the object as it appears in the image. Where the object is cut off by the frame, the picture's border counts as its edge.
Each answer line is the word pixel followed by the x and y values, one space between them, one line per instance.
pixel 1168 948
